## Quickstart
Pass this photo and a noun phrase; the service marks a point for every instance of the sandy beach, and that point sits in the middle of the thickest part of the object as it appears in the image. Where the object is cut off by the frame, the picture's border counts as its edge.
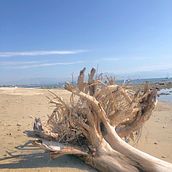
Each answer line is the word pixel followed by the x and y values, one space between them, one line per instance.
pixel 19 107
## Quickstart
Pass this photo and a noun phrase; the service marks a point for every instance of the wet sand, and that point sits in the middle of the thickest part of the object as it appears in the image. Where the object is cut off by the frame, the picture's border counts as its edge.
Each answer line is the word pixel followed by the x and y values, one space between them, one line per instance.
pixel 19 106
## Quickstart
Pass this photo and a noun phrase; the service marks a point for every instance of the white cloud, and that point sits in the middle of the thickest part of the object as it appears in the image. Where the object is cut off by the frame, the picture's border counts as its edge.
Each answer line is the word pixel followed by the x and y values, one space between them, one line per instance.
pixel 109 59
pixel 39 53
pixel 142 68
pixel 15 63
pixel 47 64
pixel 104 59
pixel 154 67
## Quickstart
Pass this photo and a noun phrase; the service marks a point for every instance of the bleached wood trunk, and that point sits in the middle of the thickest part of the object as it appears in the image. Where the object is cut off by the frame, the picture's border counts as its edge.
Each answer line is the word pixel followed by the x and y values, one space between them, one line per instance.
pixel 93 126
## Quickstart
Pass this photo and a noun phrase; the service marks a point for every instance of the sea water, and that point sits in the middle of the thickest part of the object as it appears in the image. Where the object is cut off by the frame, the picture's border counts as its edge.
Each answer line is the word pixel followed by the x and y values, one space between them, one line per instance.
pixel 168 97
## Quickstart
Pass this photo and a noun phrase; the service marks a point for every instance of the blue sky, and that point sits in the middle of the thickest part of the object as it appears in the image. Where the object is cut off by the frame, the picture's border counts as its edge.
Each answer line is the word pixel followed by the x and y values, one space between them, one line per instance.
pixel 54 38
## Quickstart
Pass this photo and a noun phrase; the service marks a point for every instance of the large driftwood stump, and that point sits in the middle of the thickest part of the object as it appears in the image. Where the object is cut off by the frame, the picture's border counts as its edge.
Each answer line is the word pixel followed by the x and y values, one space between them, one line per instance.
pixel 101 117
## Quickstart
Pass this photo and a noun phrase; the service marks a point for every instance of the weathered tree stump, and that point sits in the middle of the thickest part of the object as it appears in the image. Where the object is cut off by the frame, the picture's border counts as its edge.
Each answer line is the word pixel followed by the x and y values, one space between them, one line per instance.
pixel 95 125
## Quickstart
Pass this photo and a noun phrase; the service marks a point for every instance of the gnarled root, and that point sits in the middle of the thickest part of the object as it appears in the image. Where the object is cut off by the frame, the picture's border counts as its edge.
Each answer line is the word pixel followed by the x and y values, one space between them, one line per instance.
pixel 100 116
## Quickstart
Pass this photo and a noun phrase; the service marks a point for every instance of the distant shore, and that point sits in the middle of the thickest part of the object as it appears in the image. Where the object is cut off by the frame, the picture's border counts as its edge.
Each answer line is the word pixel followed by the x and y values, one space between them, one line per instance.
pixel 160 83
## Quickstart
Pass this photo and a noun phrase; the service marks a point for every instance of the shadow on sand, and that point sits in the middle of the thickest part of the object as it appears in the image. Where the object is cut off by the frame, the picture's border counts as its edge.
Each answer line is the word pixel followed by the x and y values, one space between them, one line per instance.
pixel 38 159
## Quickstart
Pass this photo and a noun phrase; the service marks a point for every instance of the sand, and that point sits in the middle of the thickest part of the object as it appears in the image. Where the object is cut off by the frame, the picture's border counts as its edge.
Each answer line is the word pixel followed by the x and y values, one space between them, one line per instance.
pixel 19 106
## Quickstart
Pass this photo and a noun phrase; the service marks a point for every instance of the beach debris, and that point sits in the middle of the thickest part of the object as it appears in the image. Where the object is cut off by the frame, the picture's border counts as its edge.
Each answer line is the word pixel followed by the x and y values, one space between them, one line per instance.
pixel 30 116
pixel 163 156
pixel 164 94
pixel 101 115
pixel 9 134
pixel 18 124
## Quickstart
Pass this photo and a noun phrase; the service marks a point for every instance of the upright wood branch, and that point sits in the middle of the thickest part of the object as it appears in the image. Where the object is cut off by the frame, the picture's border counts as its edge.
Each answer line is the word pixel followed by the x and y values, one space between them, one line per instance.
pixel 94 126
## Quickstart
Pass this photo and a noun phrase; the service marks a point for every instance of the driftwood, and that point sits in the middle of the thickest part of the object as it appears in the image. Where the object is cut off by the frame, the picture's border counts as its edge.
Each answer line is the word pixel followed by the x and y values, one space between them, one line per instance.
pixel 97 124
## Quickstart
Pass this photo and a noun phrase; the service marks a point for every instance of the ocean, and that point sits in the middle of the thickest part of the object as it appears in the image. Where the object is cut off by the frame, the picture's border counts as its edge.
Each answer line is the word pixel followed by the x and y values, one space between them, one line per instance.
pixel 165 95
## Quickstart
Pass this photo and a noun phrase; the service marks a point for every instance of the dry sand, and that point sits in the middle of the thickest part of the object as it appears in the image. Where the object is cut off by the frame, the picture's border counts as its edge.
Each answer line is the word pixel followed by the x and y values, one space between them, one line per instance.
pixel 19 106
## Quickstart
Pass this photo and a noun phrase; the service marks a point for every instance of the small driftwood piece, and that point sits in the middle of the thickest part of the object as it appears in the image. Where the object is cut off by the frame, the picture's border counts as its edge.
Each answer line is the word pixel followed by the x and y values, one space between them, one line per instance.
pixel 96 124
